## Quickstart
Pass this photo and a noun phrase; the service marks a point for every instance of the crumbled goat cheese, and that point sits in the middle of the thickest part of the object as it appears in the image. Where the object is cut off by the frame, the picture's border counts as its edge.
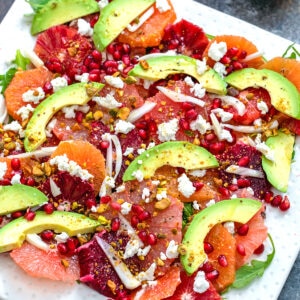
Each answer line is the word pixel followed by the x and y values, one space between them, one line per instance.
pixel 197 173
pixel 144 251
pixel 16 179
pixel 210 202
pixel 217 50
pixel 64 164
pixel 120 188
pixel 108 101
pixel 55 190
pixel 162 194
pixel 172 250
pixel 185 186
pixel 264 148
pixel 3 170
pixel 263 107
pixel 148 274
pixel 84 77
pixel 201 66
pixel 162 5
pixel 25 111
pixel 84 27
pixel 145 194
pixel 220 69
pixel 132 248
pixel 162 256
pixel 59 83
pixel 196 205
pixel 114 81
pixel 50 126
pixel 196 88
pixel 125 208
pixel 103 3
pixel 61 238
pixel 34 96
pixel 138 175
pixel 128 151
pixel 70 113
pixel 200 124
pixel 14 126
pixel 229 226
pixel 200 283
pixel 123 126
pixel 167 130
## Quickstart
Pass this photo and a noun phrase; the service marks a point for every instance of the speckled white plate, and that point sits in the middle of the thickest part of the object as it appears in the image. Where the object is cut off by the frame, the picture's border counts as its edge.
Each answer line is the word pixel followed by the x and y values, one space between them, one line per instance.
pixel 15 284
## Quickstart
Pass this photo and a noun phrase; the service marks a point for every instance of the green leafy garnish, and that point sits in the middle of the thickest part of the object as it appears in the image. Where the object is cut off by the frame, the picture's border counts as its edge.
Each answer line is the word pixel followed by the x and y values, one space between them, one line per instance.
pixel 256 268
pixel 291 52
pixel 37 4
pixel 21 61
pixel 187 213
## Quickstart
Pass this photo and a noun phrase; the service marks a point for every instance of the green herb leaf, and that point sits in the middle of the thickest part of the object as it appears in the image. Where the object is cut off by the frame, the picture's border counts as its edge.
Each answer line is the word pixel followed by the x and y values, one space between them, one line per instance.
pixel 21 61
pixel 37 4
pixel 248 273
pixel 291 52
pixel 6 78
pixel 187 213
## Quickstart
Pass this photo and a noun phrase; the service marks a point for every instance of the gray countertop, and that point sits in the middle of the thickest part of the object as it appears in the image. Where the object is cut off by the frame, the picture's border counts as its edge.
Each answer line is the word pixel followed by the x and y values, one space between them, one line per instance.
pixel 280 17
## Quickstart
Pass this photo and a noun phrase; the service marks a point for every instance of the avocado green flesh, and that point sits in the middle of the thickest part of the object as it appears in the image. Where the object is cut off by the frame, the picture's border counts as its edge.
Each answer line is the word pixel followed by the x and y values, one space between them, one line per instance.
pixel 75 94
pixel 236 210
pixel 115 17
pixel 57 12
pixel 19 197
pixel 284 95
pixel 14 233
pixel 162 66
pixel 176 154
pixel 278 171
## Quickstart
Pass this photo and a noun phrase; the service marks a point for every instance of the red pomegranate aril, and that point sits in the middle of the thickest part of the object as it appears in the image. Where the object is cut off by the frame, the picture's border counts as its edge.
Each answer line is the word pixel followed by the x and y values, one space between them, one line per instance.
pixel 145 215
pixel 141 125
pixel 94 77
pixel 97 55
pixel 111 70
pixel 115 206
pixel 117 55
pixel 225 60
pixel 216 103
pixel 94 65
pixel 242 54
pixel 29 215
pixel 222 260
pixel 54 67
pixel 268 197
pixel 207 267
pixel 104 144
pixel 184 124
pixel 143 235
pixel 126 48
pixel 217 147
pixel 126 59
pixel 135 60
pixel 15 164
pixel 240 249
pixel 16 214
pixel 110 64
pixel 151 239
pixel 137 209
pixel 48 208
pixel 143 133
pixel 152 126
pixel 47 235
pixel 187 105
pixel 208 247
pixel 198 185
pixel 233 187
pixel 210 137
pixel 244 161
pixel 191 114
pixel 111 48
pixel 62 248
pixel 105 199
pixel 243 230
pixel 79 115
pixel 237 65
pixel 260 249
pixel 48 88
pixel 224 191
pixel 5 181
pixel 71 244
pixel 233 51
pixel 213 275
pixel 115 224
pixel 276 200
pixel 127 69
pixel 90 203
pixel 243 182
pixel 134 221
pixel 285 204
pixel 173 44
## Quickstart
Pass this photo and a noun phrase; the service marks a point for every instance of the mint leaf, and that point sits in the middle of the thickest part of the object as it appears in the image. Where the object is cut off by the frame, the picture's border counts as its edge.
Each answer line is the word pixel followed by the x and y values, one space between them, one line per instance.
pixel 248 273
pixel 187 213
pixel 291 52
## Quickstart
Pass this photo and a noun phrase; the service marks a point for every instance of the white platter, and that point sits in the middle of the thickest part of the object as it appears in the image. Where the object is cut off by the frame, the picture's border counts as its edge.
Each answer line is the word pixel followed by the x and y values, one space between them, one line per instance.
pixel 15 284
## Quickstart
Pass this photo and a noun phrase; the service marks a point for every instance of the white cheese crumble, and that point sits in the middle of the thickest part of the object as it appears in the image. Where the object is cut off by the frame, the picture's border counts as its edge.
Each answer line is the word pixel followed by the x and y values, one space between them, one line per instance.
pixel 14 126
pixel 162 5
pixel 16 179
pixel 108 101
pixel 84 77
pixel 198 173
pixel 144 251
pixel 196 205
pixel 34 96
pixel 162 256
pixel 84 27
pixel 217 50
pixel 200 283
pixel 35 240
pixel 70 113
pixel 196 88
pixel 131 248
pixel 59 83
pixel 167 130
pixel 64 164
pixel 220 69
pixel 50 126
pixel 120 188
pixel 138 175
pixel 102 3
pixel 3 169
pixel 172 250
pixel 263 107
pixel 146 194
pixel 62 237
pixel 128 151
pixel 125 208
pixel 185 186
pixel 229 226
pixel 123 126
pixel 200 124
pixel 25 111
pixel 264 148
pixel 201 66
pixel 55 190
pixel 161 194
pixel 114 81
pixel 148 274
pixel 211 202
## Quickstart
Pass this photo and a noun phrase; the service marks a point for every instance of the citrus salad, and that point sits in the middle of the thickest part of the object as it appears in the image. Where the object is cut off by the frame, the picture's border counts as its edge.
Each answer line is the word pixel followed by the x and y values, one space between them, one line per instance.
pixel 139 153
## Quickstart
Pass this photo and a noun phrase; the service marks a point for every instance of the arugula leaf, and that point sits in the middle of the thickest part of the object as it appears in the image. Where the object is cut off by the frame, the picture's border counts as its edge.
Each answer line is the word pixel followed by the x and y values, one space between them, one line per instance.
pixel 291 52
pixel 248 273
pixel 21 61
pixel 37 4
pixel 187 213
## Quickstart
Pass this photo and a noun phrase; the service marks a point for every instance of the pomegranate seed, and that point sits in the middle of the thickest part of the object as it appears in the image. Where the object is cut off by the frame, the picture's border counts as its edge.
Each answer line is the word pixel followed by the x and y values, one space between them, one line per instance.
pixel 137 209
pixel 117 55
pixel 207 267
pixel 97 55
pixel 276 200
pixel 231 52
pixel 30 181
pixel 90 203
pixel 126 48
pixel 141 125
pixel 143 235
pixel 143 133
pixel 134 221
pixel 126 59
pixel 48 208
pixel 233 187
pixel 62 248
pixel 47 235
pixel 243 230
pixel 222 260
pixel 242 54
pixel 71 244
pixel 94 77
pixel 115 224
pixel 224 191
pixel 285 204
pixel 94 66
pixel 216 103
pixel 225 60
pixel 152 126
pixel 104 145
pixel 29 215
pixel 173 44
pixel 48 88
pixel 244 161
pixel 115 206
pixel 187 105
pixel 15 164
pixel 145 215
pixel 184 124
pixel 268 197
pixel 110 64
pixel 1 220
pixel 208 247
pixel 212 275
pixel 210 137
pixel 135 60
pixel 237 65
pixel 151 239
pixel 16 214
pixel 191 114
pixel 105 199
pixel 110 48
pixel 260 249
pixel 127 69
pixel 5 181
pixel 217 147
pixel 241 249
pixel 243 182
pixel 198 185
pixel 79 115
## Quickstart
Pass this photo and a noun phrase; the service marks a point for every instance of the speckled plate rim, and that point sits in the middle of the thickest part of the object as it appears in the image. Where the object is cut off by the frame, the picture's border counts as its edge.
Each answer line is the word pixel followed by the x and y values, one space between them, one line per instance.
pixel 15 284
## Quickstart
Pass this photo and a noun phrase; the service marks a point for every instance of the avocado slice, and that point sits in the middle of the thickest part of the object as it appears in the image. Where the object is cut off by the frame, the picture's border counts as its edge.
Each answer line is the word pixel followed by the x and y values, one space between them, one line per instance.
pixel 115 17
pixel 57 12
pixel 19 197
pixel 75 94
pixel 284 95
pixel 236 210
pixel 278 171
pixel 160 67
pixel 174 153
pixel 13 234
